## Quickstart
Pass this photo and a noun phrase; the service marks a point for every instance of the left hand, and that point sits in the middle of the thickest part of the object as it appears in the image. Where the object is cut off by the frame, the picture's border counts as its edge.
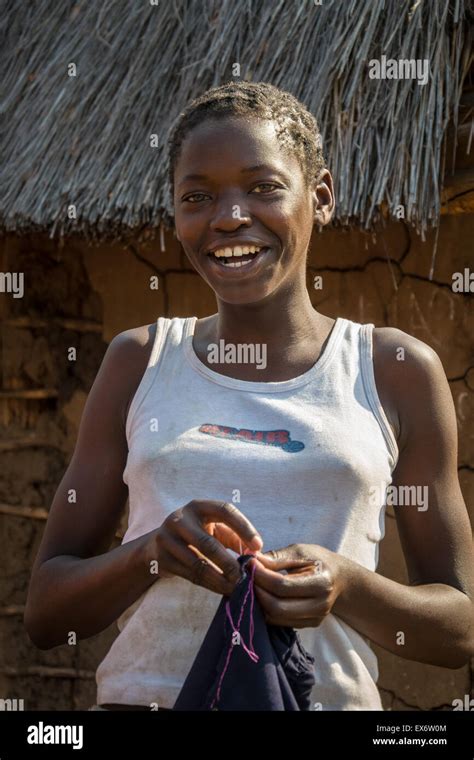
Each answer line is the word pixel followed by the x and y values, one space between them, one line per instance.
pixel 302 598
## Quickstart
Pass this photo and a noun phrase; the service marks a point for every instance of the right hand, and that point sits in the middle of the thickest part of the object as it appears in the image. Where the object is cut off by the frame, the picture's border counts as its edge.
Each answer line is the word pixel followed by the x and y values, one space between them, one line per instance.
pixel 192 543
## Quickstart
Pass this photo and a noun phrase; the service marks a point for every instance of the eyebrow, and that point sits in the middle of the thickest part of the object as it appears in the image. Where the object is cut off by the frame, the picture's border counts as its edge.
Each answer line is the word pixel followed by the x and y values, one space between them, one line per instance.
pixel 246 170
pixel 256 168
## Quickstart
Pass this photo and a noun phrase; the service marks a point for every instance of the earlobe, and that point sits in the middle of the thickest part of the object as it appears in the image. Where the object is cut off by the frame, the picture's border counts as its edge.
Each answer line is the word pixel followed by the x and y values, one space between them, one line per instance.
pixel 319 218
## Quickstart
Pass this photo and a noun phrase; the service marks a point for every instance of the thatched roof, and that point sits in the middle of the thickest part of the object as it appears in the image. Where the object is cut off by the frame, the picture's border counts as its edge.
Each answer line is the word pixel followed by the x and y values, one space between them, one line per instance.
pixel 85 139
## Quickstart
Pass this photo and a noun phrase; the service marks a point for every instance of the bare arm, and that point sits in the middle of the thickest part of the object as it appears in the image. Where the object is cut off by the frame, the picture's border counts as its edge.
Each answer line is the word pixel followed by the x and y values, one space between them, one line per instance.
pixel 435 612
pixel 77 584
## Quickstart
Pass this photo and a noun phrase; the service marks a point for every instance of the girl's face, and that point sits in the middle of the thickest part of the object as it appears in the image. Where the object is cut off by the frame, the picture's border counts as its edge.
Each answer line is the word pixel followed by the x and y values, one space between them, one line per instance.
pixel 235 187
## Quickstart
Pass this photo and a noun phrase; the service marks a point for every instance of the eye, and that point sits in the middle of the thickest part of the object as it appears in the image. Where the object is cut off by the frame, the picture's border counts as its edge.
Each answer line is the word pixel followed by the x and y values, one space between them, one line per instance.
pixel 270 185
pixel 199 197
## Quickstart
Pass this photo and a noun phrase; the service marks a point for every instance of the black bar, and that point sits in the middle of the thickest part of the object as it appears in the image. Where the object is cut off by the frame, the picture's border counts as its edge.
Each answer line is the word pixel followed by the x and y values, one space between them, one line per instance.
pixel 447 734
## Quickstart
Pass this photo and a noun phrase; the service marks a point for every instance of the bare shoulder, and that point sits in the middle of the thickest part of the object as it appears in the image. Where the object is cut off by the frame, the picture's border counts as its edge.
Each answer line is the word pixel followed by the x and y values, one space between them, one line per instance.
pixel 129 353
pixel 403 357
pixel 134 341
pixel 388 340
pixel 408 373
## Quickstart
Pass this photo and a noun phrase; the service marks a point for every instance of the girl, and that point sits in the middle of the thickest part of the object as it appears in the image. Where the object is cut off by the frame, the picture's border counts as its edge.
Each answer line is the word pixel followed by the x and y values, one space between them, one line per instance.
pixel 266 427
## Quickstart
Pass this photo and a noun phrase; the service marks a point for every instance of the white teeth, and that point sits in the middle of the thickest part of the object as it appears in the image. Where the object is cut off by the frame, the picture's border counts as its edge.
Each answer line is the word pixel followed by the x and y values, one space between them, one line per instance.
pixel 236 263
pixel 237 251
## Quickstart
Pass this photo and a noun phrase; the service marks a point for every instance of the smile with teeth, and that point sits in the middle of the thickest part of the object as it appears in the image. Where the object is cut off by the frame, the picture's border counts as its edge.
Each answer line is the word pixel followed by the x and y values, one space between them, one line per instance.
pixel 238 256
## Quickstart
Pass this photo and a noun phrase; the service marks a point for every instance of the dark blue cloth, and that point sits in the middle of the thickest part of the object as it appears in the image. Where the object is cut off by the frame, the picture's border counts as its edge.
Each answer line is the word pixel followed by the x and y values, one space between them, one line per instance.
pixel 281 679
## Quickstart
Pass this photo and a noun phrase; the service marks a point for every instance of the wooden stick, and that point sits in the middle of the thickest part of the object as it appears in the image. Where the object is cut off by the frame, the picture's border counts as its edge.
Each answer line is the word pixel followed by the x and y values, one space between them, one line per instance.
pixel 29 393
pixel 35 513
pixel 15 444
pixel 12 609
pixel 47 672
pixel 77 325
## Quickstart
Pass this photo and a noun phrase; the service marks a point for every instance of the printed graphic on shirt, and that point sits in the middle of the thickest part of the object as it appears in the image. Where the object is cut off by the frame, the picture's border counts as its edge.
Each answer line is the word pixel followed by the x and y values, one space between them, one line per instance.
pixel 279 438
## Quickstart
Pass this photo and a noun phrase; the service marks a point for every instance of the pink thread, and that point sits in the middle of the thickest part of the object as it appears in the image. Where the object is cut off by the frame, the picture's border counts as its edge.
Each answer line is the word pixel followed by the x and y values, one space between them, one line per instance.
pixel 251 652
pixel 252 571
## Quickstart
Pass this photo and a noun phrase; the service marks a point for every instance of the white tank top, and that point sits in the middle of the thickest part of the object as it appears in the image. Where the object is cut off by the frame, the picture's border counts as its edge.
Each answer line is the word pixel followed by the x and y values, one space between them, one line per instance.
pixel 304 456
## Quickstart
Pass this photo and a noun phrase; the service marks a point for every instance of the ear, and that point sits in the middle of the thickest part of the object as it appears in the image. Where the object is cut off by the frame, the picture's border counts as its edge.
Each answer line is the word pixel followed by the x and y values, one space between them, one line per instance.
pixel 323 198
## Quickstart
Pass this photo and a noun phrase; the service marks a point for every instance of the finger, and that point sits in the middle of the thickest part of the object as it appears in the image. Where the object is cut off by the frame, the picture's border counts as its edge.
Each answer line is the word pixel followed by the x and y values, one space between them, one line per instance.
pixel 182 560
pixel 211 549
pixel 222 511
pixel 306 570
pixel 299 585
pixel 199 554
pixel 230 539
pixel 281 561
pixel 290 613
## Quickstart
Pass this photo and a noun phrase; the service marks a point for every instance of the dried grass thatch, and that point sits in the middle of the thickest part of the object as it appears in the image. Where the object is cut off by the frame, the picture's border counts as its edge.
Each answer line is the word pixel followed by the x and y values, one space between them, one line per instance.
pixel 85 140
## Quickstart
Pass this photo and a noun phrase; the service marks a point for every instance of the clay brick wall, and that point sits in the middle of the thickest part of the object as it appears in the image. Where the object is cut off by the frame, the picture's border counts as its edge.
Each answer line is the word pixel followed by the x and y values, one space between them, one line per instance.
pixel 81 296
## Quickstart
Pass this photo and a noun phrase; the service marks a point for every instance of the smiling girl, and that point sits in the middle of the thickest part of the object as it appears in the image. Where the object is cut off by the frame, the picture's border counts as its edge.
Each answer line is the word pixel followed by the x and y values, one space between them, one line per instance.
pixel 281 460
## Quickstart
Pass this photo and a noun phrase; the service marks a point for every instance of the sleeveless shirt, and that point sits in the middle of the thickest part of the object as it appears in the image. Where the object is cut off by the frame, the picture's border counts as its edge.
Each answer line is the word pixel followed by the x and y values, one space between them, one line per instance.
pixel 301 458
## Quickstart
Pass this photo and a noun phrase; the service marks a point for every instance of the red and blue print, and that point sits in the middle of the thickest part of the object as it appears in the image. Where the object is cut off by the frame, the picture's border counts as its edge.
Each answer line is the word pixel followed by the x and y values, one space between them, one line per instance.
pixel 279 438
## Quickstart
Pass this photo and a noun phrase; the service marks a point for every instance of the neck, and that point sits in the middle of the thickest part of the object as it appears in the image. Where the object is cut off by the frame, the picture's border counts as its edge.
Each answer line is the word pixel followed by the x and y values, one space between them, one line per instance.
pixel 278 321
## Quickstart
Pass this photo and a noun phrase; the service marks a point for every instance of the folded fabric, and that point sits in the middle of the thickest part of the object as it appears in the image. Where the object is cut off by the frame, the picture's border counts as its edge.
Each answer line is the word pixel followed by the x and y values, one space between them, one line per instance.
pixel 245 664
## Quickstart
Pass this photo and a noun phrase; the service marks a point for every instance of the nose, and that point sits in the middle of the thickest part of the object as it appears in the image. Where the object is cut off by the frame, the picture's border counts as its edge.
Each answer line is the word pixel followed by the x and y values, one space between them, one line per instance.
pixel 230 214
